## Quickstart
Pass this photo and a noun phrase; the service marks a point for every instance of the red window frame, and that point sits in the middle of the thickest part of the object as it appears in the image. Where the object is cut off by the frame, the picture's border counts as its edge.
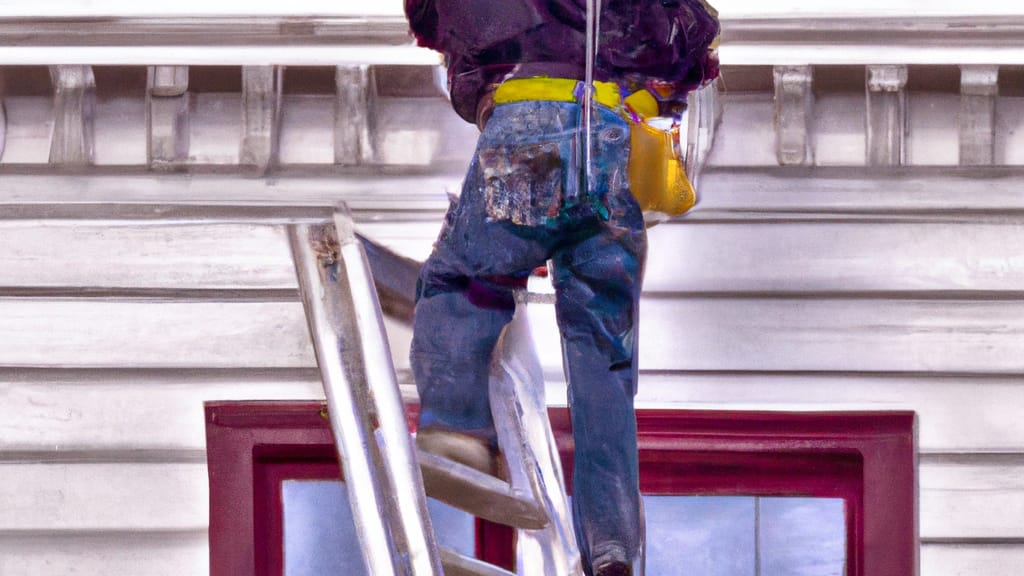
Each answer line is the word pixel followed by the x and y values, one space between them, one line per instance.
pixel 866 458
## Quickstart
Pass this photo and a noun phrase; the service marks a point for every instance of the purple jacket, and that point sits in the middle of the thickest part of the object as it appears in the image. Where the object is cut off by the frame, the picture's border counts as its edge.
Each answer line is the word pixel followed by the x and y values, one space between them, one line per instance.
pixel 488 41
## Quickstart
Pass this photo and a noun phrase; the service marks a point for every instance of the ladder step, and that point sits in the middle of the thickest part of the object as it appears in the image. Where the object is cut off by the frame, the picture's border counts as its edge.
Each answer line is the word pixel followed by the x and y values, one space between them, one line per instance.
pixel 480 494
pixel 456 564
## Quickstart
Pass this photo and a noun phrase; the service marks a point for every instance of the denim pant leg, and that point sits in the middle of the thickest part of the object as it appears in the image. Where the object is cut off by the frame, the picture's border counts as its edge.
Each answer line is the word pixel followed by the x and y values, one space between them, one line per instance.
pixel 597 285
pixel 465 299
pixel 597 282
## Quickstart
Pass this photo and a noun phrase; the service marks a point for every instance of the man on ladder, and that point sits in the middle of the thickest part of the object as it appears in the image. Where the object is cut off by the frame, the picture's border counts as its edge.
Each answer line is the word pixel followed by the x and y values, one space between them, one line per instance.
pixel 549 183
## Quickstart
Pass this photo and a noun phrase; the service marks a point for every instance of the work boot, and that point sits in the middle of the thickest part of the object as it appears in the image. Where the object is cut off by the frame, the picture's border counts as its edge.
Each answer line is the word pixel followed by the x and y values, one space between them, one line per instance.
pixel 471 451
pixel 469 473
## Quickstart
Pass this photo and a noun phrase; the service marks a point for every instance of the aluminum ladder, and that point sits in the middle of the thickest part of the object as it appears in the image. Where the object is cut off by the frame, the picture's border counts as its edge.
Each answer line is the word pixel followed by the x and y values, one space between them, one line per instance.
pixel 381 467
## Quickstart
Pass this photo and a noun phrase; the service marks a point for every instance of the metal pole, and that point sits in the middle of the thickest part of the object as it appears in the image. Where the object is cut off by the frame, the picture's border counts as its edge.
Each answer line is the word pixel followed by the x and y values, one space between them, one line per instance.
pixel 757 536
pixel 322 298
pixel 593 24
pixel 405 482
pixel 525 436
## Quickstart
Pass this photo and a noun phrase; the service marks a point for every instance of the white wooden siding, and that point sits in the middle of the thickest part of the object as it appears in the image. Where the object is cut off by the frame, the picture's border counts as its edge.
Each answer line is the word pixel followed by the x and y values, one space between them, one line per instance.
pixel 968 254
pixel 177 257
pixel 823 334
pixel 156 410
pixel 972 559
pixel 834 288
pixel 681 334
pixel 91 497
pixel 130 412
pixel 981 498
pixel 101 424
pixel 166 553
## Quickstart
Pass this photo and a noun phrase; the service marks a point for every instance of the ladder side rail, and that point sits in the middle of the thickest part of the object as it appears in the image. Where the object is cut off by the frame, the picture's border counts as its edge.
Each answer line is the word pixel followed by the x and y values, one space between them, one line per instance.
pixel 329 311
pixel 351 440
pixel 519 407
pixel 402 471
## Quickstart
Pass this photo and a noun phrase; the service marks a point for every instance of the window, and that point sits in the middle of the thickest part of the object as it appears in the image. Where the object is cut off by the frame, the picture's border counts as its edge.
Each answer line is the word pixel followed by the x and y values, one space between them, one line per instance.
pixel 318 534
pixel 746 535
pixel 857 470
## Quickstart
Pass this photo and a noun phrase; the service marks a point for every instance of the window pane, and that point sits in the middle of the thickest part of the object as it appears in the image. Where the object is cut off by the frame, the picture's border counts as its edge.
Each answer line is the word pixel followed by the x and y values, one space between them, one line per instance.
pixel 707 535
pixel 745 536
pixel 320 538
pixel 803 537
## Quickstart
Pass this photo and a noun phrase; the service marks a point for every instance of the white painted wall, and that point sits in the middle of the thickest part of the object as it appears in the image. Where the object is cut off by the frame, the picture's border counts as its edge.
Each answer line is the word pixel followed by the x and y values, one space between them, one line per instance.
pixel 101 426
pixel 835 289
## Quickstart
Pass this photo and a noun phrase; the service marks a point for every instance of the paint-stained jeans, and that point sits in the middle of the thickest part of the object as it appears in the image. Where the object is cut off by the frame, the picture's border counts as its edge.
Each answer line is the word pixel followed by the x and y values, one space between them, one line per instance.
pixel 522 204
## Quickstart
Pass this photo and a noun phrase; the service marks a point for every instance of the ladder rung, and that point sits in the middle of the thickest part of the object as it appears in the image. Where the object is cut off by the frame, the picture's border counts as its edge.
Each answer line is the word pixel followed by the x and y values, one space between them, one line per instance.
pixel 480 494
pixel 456 564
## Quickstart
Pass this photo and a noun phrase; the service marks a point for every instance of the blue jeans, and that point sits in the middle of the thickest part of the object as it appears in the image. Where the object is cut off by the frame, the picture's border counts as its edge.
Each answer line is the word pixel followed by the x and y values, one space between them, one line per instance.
pixel 523 203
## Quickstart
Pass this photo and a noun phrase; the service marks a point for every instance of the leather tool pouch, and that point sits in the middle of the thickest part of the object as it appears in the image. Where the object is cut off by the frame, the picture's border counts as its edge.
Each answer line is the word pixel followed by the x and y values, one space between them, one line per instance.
pixel 657 175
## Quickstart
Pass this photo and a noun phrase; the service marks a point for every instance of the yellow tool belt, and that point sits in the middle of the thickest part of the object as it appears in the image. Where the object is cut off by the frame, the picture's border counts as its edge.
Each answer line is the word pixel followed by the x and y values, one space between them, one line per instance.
pixel 639 103
pixel 657 176
pixel 554 90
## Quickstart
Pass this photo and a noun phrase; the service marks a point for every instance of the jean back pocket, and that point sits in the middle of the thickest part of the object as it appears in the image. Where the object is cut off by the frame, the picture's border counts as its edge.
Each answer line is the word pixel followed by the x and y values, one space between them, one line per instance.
pixel 525 184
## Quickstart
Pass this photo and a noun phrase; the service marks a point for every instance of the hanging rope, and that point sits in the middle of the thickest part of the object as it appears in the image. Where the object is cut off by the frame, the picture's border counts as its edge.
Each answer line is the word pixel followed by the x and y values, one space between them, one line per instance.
pixel 593 30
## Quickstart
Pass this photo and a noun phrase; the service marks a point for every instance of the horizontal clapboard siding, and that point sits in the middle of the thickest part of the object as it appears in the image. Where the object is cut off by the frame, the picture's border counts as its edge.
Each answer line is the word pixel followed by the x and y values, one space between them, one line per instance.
pixel 160 333
pixel 130 411
pixel 696 256
pixel 110 554
pixel 973 497
pixel 971 559
pixel 221 256
pixel 145 333
pixel 770 296
pixel 686 333
pixel 956 413
pixel 161 410
pixel 103 496
pixel 852 256
pixel 980 499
